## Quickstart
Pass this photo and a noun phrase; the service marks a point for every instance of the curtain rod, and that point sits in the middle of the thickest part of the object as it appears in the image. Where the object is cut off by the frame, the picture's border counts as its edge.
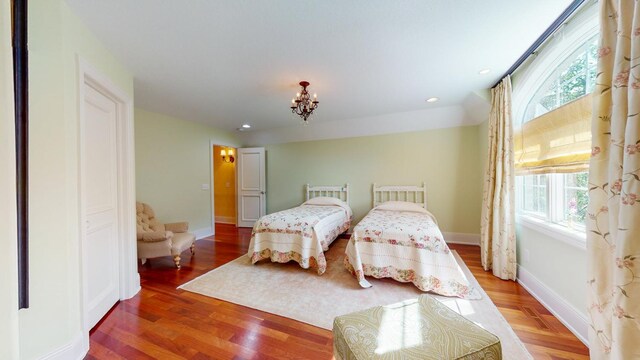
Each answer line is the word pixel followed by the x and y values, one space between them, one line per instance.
pixel 545 35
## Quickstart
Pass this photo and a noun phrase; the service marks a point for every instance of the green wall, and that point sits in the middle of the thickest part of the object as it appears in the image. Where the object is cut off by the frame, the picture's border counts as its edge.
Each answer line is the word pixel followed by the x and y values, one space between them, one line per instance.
pixel 559 266
pixel 56 38
pixel 172 163
pixel 446 159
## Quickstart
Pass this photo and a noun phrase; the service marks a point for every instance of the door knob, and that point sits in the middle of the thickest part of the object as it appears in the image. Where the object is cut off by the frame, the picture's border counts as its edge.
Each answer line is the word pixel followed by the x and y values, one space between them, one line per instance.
pixel 262 192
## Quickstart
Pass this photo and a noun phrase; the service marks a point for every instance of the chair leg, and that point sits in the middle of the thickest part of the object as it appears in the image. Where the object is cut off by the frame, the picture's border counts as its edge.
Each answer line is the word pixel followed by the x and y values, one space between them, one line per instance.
pixel 193 249
pixel 176 259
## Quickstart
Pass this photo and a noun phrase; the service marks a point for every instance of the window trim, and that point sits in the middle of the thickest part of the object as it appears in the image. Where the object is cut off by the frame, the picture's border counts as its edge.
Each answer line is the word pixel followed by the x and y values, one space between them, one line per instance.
pixel 565 234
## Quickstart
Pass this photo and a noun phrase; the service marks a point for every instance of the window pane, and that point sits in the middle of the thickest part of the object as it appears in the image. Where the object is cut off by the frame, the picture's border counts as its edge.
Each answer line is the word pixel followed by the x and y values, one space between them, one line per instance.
pixel 534 194
pixel 575 197
pixel 573 81
pixel 542 196
pixel 592 64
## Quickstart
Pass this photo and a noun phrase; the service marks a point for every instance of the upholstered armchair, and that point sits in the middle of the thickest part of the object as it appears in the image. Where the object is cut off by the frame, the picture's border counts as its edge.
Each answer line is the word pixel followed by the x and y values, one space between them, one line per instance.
pixel 156 239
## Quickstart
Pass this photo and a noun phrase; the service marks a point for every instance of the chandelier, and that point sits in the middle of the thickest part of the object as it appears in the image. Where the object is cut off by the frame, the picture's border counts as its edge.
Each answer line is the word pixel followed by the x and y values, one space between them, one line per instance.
pixel 302 105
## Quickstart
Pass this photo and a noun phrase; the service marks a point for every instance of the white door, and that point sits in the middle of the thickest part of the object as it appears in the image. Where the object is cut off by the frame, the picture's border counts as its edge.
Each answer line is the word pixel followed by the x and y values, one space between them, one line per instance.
pixel 100 203
pixel 251 186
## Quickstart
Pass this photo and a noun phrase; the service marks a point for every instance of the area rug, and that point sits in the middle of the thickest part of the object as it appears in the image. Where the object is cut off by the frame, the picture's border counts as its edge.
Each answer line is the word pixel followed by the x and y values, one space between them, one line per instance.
pixel 290 291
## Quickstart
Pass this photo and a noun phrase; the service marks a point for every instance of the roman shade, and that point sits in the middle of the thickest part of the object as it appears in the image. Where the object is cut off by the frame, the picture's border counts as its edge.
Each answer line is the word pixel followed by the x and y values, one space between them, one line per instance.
pixel 556 142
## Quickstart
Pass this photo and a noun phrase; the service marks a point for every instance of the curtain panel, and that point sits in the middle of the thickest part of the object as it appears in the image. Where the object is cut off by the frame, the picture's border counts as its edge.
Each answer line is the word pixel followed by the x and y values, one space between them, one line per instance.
pixel 497 228
pixel 613 224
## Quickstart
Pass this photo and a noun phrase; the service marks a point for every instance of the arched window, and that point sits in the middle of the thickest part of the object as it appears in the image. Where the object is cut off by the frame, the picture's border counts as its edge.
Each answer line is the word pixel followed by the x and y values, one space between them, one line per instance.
pixel 572 79
pixel 552 118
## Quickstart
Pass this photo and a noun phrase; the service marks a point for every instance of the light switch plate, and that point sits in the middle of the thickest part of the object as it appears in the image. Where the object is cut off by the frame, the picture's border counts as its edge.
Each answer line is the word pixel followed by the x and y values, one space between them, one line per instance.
pixel 205 187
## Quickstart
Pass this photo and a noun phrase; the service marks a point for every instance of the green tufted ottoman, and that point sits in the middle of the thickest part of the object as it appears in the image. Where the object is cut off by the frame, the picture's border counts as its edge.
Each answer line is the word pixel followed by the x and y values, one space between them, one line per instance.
pixel 415 329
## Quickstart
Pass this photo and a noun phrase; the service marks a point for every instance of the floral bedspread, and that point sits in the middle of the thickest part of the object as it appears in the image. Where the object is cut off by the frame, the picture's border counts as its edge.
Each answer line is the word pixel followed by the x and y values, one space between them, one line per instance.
pixel 301 234
pixel 408 247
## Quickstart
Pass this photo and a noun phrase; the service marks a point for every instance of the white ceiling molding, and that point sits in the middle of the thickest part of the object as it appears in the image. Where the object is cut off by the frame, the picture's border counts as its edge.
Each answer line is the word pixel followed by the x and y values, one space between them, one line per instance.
pixel 227 63
pixel 436 118
pixel 477 106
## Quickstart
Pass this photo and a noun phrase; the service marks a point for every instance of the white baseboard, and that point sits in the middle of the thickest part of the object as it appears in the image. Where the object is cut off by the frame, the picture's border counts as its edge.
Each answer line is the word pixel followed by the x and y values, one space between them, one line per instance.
pixel 461 238
pixel 77 348
pixel 575 321
pixel 203 233
pixel 226 219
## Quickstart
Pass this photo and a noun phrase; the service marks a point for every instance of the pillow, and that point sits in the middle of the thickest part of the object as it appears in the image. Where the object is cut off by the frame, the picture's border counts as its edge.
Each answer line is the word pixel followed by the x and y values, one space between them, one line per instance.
pixel 325 200
pixel 401 206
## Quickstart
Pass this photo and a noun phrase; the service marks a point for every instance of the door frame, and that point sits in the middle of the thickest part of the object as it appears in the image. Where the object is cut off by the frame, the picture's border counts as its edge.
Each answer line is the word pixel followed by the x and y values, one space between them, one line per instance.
pixel 213 143
pixel 129 279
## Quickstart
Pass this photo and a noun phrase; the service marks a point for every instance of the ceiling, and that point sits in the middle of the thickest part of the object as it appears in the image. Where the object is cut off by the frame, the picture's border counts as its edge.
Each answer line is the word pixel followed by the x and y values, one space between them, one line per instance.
pixel 231 62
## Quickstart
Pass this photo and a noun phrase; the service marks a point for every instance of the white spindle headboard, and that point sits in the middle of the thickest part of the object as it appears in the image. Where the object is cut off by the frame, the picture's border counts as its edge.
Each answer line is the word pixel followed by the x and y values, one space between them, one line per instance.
pixel 337 191
pixel 409 193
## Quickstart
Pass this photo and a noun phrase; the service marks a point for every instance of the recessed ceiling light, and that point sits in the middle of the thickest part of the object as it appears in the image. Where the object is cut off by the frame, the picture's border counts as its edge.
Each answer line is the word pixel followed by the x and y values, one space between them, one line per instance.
pixel 246 126
pixel 432 99
pixel 484 71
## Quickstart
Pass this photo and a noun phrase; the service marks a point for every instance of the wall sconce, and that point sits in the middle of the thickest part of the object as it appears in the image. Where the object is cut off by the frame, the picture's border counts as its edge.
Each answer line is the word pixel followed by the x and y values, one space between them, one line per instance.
pixel 227 156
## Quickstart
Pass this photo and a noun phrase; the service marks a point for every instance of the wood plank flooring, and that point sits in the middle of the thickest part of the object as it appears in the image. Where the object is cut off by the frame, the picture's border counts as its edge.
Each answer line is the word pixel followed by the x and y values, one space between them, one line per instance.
pixel 164 323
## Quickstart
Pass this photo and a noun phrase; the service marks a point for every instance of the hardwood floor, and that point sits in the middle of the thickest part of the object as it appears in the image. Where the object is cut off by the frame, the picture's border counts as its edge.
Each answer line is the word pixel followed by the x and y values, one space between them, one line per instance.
pixel 164 323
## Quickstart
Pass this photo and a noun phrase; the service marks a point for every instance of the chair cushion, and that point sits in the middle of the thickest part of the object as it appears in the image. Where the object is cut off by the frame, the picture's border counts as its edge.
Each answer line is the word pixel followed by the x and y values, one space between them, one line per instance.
pixel 146 219
pixel 149 250
pixel 177 227
pixel 181 242
pixel 422 328
pixel 154 236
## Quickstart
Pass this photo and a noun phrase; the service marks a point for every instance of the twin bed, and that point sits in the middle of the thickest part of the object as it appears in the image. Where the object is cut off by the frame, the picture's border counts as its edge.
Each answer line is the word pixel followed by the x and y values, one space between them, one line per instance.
pixel 303 233
pixel 397 239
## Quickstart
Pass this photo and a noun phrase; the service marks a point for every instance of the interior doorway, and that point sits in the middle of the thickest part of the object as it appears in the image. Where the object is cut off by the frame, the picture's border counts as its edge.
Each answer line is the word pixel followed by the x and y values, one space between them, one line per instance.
pixel 224 184
pixel 106 184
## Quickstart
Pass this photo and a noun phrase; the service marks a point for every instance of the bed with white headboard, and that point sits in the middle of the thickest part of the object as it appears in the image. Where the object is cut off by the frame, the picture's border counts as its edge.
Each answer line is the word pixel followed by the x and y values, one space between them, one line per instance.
pixel 303 233
pixel 335 191
pixel 400 239
pixel 408 193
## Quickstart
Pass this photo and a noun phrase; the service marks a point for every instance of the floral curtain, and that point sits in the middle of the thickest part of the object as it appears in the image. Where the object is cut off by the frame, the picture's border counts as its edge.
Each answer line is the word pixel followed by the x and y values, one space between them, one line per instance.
pixel 497 229
pixel 613 226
